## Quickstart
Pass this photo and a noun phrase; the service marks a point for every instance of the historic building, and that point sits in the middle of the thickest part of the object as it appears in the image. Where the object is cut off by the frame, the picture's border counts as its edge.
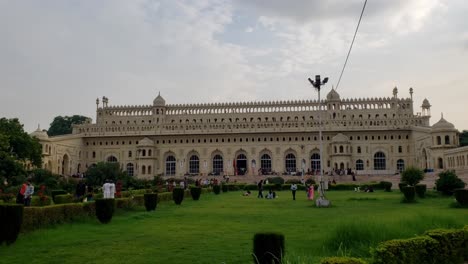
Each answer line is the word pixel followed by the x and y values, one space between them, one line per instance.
pixel 369 135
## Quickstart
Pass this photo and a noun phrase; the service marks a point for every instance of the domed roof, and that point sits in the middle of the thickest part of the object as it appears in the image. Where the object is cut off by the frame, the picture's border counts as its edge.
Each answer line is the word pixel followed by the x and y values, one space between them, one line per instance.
pixel 340 138
pixel 146 142
pixel 159 101
pixel 443 124
pixel 333 95
pixel 39 134
pixel 426 103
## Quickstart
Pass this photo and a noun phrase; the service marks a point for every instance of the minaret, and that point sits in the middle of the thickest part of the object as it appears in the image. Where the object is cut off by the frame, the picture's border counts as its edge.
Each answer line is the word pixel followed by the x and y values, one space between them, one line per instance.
pixel 411 93
pixel 97 103
pixel 395 92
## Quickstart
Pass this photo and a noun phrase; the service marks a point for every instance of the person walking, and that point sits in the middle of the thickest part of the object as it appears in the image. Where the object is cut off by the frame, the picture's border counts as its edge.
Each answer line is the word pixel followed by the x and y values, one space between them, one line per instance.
pixel 293 190
pixel 28 194
pixel 22 191
pixel 260 189
pixel 310 192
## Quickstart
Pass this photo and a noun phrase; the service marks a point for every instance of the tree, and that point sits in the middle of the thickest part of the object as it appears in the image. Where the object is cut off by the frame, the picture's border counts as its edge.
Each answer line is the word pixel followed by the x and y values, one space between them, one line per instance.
pixel 448 181
pixel 464 138
pixel 62 125
pixel 412 176
pixel 17 148
pixel 96 175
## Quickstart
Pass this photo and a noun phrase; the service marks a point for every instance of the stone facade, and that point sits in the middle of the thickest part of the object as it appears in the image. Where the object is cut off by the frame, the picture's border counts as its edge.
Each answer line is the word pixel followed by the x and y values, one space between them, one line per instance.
pixel 369 135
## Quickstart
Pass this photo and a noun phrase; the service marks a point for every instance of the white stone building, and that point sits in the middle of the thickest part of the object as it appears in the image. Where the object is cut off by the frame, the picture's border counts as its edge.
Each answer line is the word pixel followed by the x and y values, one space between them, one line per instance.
pixel 369 135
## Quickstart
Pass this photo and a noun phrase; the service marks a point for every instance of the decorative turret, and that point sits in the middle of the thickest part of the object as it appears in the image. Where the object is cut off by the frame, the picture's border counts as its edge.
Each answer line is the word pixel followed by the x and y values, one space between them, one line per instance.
pixel 426 107
pixel 443 125
pixel 333 95
pixel 40 134
pixel 159 101
pixel 395 92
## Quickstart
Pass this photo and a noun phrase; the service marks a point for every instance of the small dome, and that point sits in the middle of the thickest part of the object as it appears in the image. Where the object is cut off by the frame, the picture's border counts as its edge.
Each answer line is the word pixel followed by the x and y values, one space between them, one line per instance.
pixel 40 134
pixel 146 142
pixel 159 101
pixel 426 103
pixel 340 138
pixel 443 124
pixel 333 95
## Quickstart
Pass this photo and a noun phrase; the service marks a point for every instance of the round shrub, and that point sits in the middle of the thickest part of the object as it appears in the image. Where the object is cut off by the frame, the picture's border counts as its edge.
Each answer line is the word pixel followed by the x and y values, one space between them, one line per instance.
pixel 387 186
pixel 420 190
pixel 224 188
pixel 412 176
pixel 195 192
pixel 151 201
pixel 11 216
pixel 462 196
pixel 268 248
pixel 409 193
pixel 105 209
pixel 178 195
pixel 216 189
pixel 63 198
pixel 448 181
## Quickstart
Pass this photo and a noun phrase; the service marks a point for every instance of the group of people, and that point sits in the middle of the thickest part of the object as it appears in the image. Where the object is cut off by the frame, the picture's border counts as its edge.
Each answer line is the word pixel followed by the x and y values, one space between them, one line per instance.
pixel 108 189
pixel 272 195
pixel 25 193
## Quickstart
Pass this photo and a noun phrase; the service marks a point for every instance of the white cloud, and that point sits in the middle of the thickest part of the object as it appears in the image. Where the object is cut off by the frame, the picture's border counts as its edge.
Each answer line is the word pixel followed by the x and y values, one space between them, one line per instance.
pixel 249 29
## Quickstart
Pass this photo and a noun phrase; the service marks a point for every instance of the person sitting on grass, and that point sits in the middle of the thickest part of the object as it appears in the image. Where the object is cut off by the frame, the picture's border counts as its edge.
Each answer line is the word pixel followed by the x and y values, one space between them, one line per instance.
pixel 247 193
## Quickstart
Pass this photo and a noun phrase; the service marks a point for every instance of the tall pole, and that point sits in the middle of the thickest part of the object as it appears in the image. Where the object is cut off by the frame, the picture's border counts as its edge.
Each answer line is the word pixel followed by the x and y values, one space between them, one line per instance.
pixel 322 201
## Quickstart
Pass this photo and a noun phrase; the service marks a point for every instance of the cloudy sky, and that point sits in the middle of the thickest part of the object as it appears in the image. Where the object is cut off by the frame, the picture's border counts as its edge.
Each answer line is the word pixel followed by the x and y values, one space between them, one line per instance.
pixel 57 57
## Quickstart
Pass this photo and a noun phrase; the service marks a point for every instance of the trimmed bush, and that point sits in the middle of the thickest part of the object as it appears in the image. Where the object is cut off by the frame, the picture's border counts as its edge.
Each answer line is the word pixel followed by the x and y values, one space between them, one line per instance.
pixel 195 192
pixel 151 201
pixel 178 195
pixel 412 176
pixel 105 209
pixel 63 199
pixel 451 245
pixel 409 193
pixel 462 196
pixel 53 193
pixel 268 248
pixel 275 180
pixel 216 189
pixel 250 187
pixel 387 186
pixel 125 203
pixel 420 190
pixel 342 260
pixel 401 185
pixel 448 181
pixel 406 251
pixel 41 200
pixel 224 188
pixel 11 217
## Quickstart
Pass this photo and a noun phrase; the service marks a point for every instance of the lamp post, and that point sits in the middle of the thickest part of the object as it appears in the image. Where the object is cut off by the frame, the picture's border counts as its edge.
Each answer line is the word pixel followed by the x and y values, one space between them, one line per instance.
pixel 322 201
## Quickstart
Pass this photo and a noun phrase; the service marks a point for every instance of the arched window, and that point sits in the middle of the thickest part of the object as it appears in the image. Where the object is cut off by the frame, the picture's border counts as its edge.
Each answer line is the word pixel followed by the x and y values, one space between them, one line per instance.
pixel 447 140
pixel 341 149
pixel 400 165
pixel 143 152
pixel 143 169
pixel 170 166
pixel 112 159
pixel 130 154
pixel 194 164
pixel 290 163
pixel 315 162
pixel 265 163
pixel 379 161
pixel 149 169
pixel 400 149
pixel 359 164
pixel 440 162
pixel 130 169
pixel 439 140
pixel 358 149
pixel 217 164
pixel 149 152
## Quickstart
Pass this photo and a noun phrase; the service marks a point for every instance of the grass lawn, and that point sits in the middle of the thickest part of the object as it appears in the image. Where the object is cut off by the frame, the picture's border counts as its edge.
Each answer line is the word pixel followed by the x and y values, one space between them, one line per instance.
pixel 220 228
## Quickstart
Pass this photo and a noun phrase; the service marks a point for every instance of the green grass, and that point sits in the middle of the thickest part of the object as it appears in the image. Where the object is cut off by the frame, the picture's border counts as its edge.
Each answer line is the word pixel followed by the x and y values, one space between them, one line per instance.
pixel 220 228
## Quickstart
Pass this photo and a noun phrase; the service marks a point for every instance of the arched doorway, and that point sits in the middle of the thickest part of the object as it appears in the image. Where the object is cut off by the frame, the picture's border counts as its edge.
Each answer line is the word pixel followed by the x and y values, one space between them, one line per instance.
pixel 65 164
pixel 440 163
pixel 241 164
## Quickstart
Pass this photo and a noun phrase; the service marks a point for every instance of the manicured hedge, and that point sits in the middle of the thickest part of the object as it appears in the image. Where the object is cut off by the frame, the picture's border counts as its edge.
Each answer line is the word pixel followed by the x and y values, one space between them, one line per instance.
pixel 342 260
pixel 462 196
pixel 57 192
pixel 178 195
pixel 401 185
pixel 387 186
pixel 125 203
pixel 63 198
pixel 11 219
pixel 216 189
pixel 250 187
pixel 441 246
pixel 224 188
pixel 41 201
pixel 125 194
pixel 195 192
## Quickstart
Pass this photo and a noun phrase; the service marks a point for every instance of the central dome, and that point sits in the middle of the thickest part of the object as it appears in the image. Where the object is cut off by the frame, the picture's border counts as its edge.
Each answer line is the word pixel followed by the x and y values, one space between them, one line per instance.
pixel 159 101
pixel 333 96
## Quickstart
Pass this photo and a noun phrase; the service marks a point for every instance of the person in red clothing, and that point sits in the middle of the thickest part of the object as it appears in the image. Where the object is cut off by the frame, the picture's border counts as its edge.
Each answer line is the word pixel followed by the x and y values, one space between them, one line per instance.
pixel 20 196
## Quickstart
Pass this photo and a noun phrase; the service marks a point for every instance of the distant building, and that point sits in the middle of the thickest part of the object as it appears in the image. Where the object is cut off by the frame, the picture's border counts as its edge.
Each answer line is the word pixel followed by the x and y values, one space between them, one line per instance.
pixel 369 135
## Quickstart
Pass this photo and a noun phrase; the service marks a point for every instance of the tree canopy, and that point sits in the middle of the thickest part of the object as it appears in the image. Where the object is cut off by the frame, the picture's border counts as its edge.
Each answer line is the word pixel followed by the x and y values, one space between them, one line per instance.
pixel 97 175
pixel 464 138
pixel 62 125
pixel 17 148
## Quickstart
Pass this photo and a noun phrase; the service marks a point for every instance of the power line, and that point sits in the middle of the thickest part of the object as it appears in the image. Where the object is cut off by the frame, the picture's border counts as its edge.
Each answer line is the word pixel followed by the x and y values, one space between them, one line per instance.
pixel 351 47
